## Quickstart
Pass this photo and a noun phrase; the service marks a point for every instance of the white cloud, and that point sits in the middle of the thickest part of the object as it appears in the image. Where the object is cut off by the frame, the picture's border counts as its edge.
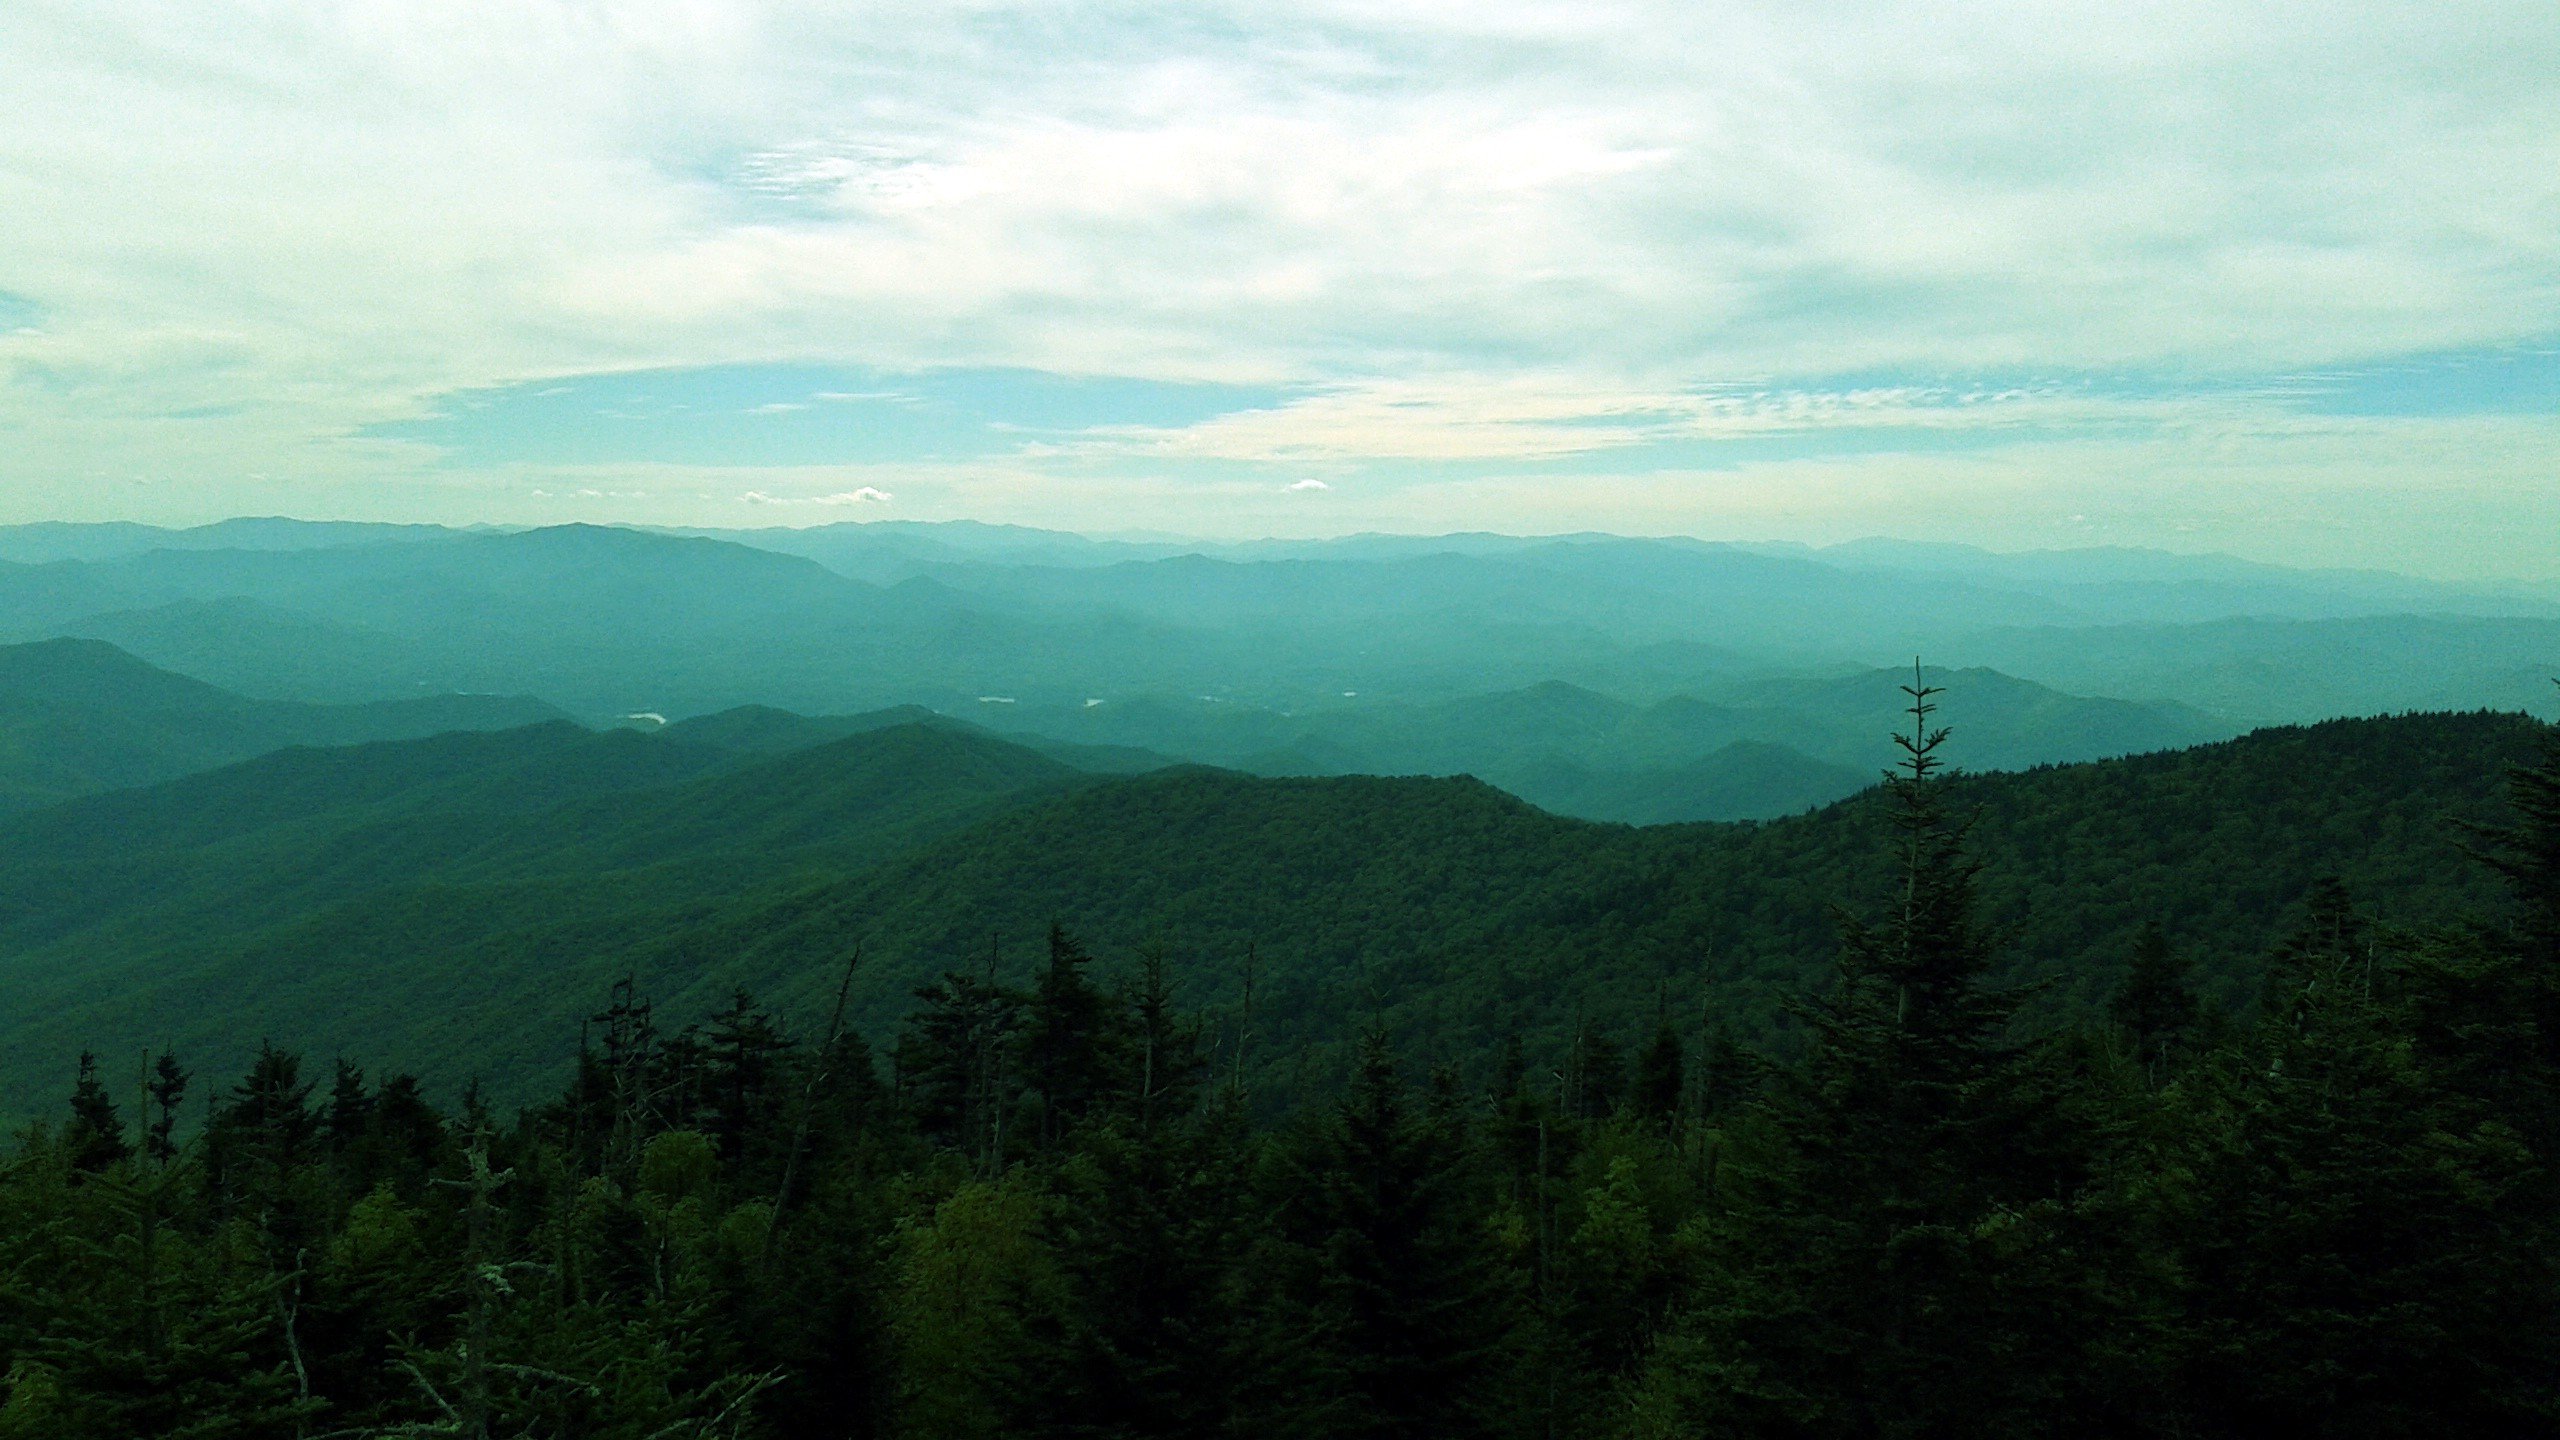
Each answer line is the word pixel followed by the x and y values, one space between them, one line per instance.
pixel 866 495
pixel 1310 483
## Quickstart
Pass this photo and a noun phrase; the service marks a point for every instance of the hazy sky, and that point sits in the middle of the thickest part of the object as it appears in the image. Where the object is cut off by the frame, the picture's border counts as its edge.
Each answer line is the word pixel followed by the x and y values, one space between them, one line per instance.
pixel 2282 280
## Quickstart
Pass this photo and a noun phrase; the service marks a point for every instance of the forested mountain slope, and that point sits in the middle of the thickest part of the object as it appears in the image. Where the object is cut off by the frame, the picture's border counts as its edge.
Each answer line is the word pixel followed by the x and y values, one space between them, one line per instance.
pixel 442 938
pixel 1457 914
pixel 80 716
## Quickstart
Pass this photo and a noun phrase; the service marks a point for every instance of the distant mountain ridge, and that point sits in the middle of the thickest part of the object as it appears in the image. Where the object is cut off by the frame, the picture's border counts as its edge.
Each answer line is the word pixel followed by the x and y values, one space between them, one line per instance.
pixel 80 716
pixel 604 621
pixel 1640 680
pixel 1744 750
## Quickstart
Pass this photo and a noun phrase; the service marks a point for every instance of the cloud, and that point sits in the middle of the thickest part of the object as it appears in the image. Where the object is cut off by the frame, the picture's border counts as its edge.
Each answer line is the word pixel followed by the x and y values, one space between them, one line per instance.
pixel 1310 483
pixel 1461 237
pixel 866 495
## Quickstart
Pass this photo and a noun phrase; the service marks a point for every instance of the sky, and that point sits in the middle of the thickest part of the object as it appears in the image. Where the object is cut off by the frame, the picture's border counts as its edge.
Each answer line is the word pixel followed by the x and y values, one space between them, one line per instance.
pixel 2278 280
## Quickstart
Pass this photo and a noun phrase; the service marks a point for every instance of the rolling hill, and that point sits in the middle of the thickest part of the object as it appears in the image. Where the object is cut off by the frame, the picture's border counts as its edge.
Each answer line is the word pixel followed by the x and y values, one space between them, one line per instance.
pixel 445 921
pixel 80 716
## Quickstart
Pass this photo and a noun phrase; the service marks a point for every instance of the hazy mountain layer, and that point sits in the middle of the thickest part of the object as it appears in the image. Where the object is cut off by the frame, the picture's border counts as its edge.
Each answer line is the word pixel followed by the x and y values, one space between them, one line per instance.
pixel 78 716
pixel 611 622
pixel 1748 750
pixel 2256 671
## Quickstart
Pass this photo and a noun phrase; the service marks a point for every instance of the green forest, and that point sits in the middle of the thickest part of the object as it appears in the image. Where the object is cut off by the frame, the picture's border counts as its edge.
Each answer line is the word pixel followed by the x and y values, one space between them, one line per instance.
pixel 1953 1188
pixel 451 906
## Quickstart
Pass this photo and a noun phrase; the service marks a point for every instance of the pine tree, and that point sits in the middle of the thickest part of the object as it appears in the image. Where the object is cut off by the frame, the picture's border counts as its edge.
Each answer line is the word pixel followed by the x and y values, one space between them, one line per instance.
pixel 95 1135
pixel 1660 1079
pixel 2499 1002
pixel 1166 1064
pixel 744 1058
pixel 2155 1006
pixel 408 1141
pixel 350 1112
pixel 1404 1316
pixel 168 1090
pixel 1896 1262
pixel 1148 1226
pixel 2526 852
pixel 257 1138
pixel 950 1062
pixel 1074 1041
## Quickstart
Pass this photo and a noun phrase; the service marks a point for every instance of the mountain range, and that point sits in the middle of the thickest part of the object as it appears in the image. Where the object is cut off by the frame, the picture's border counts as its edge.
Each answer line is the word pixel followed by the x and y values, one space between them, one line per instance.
pixel 454 904
pixel 78 716
pixel 603 622
pixel 427 793
pixel 1604 677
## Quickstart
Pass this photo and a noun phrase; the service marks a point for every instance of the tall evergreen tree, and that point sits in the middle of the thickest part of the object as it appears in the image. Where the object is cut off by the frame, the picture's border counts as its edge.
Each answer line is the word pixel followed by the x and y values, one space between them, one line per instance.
pixel 350 1110
pixel 95 1135
pixel 1895 1261
pixel 167 1088
pixel 744 1059
pixel 1661 1081
pixel 2499 997
pixel 258 1140
pixel 1074 1040
pixel 1402 1315
pixel 951 1062
pixel 2155 1007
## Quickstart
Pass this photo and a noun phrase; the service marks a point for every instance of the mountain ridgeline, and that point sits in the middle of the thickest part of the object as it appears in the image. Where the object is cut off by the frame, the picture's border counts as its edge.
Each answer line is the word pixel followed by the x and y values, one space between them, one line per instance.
pixel 487 887
pixel 79 716
pixel 1360 655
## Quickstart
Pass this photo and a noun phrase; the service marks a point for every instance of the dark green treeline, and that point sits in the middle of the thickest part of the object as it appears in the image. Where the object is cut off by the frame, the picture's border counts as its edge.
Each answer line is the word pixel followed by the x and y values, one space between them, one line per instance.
pixel 1052 1211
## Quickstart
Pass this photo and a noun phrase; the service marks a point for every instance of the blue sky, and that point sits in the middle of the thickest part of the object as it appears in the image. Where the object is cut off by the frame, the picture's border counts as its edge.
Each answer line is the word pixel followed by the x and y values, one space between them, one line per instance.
pixel 2206 276
pixel 800 415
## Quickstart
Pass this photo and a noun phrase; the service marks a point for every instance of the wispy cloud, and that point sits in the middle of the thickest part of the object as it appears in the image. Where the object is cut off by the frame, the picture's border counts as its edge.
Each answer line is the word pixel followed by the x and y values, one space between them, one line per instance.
pixel 866 495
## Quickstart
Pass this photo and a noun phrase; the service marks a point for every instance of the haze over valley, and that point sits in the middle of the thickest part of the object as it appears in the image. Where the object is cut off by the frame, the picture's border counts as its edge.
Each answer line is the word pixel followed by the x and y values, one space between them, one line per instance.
pixel 1636 680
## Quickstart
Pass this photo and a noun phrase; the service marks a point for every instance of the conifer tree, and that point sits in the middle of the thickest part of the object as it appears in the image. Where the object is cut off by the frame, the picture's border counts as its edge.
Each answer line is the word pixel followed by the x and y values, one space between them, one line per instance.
pixel 1074 1045
pixel 2526 852
pixel 95 1136
pixel 1892 1266
pixel 2497 1004
pixel 257 1141
pixel 1166 1064
pixel 167 1089
pixel 1660 1079
pixel 1403 1315
pixel 1148 1224
pixel 2155 1006
pixel 950 1061
pixel 744 1056
pixel 350 1110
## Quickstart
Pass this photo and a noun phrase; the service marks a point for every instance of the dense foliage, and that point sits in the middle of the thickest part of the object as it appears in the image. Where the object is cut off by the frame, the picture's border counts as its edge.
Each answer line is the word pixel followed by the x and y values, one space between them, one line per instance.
pixel 449 907
pixel 1052 1207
